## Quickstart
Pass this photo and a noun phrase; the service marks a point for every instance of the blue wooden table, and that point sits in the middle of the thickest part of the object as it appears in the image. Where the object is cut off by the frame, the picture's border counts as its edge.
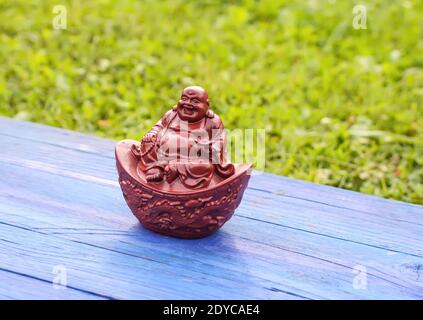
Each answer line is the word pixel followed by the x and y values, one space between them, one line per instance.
pixel 66 233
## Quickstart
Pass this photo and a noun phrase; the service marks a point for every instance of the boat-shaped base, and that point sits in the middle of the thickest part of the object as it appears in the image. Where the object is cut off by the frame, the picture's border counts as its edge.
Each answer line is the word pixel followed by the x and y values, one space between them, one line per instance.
pixel 183 214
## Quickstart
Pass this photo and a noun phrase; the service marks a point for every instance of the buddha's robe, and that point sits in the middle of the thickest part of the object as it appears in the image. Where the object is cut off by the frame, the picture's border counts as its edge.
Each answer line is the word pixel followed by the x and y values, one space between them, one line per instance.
pixel 195 151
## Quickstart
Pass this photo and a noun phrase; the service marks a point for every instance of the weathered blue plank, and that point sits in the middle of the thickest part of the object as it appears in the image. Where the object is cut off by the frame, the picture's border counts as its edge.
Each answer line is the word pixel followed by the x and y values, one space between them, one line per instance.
pixel 60 204
pixel 28 285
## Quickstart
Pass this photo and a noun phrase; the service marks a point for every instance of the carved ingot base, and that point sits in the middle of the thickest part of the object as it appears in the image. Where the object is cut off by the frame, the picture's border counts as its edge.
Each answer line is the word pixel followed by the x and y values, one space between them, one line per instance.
pixel 183 214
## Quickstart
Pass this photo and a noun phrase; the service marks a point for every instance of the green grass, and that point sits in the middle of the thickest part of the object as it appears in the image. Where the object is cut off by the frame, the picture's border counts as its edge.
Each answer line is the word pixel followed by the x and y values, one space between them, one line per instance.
pixel 341 106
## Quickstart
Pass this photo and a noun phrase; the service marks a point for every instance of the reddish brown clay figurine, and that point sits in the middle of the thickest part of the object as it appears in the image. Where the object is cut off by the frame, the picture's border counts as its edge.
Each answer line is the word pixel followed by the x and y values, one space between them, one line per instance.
pixel 176 181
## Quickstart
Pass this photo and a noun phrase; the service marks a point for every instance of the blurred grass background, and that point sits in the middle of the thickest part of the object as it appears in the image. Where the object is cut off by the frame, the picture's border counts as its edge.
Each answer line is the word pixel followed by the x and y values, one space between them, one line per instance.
pixel 340 106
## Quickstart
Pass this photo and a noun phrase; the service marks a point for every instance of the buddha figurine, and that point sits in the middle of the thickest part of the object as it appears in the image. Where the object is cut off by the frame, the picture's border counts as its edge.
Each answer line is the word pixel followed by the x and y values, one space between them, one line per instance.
pixel 186 144
pixel 176 180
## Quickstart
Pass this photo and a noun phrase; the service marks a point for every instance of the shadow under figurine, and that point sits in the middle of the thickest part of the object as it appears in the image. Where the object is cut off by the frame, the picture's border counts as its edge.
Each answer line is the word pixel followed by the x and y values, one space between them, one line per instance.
pixel 176 181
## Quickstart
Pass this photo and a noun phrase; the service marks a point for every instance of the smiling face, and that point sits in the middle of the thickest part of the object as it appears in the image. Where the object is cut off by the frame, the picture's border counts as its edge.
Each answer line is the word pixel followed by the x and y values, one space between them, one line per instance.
pixel 193 105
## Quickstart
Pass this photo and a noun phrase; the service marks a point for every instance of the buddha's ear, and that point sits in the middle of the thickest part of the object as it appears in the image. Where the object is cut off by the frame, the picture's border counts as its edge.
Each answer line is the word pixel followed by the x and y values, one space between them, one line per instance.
pixel 175 107
pixel 210 113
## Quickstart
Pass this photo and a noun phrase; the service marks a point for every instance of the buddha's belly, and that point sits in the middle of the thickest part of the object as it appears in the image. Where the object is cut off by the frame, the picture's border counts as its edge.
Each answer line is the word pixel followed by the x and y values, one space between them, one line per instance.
pixel 176 146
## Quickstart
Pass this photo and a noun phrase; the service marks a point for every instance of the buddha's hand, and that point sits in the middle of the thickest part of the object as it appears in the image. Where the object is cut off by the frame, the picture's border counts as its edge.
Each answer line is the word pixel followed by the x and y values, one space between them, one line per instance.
pixel 171 172
pixel 150 137
pixel 135 149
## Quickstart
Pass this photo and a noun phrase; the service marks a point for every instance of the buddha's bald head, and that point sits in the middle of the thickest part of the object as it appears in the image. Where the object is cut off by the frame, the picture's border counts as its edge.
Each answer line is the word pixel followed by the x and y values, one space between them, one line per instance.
pixel 194 104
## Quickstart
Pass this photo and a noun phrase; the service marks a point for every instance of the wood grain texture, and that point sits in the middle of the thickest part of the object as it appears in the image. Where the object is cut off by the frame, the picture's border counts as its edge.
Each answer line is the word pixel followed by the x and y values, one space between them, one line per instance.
pixel 60 204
